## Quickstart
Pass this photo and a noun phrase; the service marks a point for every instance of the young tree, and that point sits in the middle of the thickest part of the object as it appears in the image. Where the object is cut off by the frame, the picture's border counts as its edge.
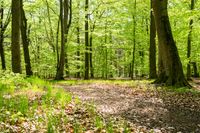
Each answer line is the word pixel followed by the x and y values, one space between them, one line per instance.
pixel 170 66
pixel 65 20
pixel 152 48
pixel 15 46
pixel 3 27
pixel 86 40
pixel 134 42
pixel 25 41
pixel 189 43
pixel 61 62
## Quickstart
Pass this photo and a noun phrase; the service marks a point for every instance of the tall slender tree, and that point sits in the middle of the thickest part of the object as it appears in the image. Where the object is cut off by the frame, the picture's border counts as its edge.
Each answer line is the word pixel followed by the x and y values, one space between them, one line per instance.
pixel 15 46
pixel 65 20
pixel 152 48
pixel 170 66
pixel 189 43
pixel 61 62
pixel 87 40
pixel 3 27
pixel 25 41
pixel 134 41
pixel 67 24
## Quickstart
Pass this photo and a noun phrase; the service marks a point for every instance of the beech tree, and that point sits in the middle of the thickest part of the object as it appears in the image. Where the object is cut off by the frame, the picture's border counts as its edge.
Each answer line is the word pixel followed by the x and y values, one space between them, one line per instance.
pixel 170 67
pixel 65 20
pixel 87 40
pixel 15 46
pixel 25 41
pixel 3 27
pixel 152 48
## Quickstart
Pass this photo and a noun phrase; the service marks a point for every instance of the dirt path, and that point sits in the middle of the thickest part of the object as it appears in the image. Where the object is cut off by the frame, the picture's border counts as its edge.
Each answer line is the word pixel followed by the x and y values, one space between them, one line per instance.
pixel 163 111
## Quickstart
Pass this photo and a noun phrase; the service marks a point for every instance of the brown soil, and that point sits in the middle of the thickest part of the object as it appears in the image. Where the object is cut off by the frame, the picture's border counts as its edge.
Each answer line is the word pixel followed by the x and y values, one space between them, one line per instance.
pixel 150 108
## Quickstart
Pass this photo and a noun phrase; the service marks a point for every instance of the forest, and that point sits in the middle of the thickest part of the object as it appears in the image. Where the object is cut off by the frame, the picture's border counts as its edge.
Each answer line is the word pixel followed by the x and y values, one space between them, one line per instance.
pixel 99 66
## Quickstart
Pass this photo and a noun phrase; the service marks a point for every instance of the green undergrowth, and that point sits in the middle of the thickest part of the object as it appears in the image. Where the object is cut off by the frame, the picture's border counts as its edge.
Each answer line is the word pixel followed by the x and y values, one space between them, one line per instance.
pixel 34 105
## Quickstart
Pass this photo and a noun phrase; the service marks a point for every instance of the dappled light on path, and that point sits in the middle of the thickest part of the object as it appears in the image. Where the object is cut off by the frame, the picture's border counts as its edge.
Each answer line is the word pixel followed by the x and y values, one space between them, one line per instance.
pixel 144 105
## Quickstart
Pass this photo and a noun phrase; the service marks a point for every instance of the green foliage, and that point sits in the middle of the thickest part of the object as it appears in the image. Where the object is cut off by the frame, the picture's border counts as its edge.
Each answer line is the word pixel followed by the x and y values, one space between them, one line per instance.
pixel 109 127
pixel 99 122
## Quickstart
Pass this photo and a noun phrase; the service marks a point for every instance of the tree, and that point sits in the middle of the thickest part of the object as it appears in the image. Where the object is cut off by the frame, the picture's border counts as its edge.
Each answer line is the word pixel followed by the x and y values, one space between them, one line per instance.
pixel 25 41
pixel 67 24
pixel 15 46
pixel 170 66
pixel 189 43
pixel 134 42
pixel 65 20
pixel 61 62
pixel 86 40
pixel 3 27
pixel 152 48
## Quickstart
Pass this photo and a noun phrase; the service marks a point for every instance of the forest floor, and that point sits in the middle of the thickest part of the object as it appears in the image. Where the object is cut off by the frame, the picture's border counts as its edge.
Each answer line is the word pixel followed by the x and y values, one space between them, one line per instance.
pixel 141 104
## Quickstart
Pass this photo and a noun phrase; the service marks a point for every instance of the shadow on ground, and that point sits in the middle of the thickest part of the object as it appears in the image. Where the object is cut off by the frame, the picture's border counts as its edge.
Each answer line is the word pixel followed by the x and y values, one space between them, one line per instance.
pixel 149 108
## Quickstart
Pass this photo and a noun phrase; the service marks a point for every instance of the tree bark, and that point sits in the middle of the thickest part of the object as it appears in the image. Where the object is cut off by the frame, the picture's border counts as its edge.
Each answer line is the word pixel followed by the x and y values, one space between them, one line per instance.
pixel 61 65
pixel 67 24
pixel 25 42
pixel 3 27
pixel 78 74
pixel 91 61
pixel 189 43
pixel 2 37
pixel 196 73
pixel 134 42
pixel 170 70
pixel 86 40
pixel 65 20
pixel 15 45
pixel 152 48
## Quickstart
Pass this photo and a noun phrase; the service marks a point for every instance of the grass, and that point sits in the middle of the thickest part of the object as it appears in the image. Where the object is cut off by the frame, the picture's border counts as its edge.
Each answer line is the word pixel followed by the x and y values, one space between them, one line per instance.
pixel 34 105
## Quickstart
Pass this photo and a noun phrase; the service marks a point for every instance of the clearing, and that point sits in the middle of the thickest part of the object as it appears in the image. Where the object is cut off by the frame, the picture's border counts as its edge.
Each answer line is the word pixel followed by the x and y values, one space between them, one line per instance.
pixel 143 105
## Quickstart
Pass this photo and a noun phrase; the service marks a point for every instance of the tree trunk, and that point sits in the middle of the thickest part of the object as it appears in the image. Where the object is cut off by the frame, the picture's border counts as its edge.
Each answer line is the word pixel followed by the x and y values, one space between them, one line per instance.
pixel 78 75
pixel 86 40
pixel 171 72
pixel 65 20
pixel 189 43
pixel 61 65
pixel 134 42
pixel 3 27
pixel 67 23
pixel 152 48
pixel 25 42
pixel 91 63
pixel 196 74
pixel 15 46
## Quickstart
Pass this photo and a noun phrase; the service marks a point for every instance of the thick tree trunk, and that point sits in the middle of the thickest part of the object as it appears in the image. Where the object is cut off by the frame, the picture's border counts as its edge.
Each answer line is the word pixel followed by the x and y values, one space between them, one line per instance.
pixel 86 40
pixel 171 72
pixel 189 43
pixel 152 48
pixel 15 46
pixel 25 42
